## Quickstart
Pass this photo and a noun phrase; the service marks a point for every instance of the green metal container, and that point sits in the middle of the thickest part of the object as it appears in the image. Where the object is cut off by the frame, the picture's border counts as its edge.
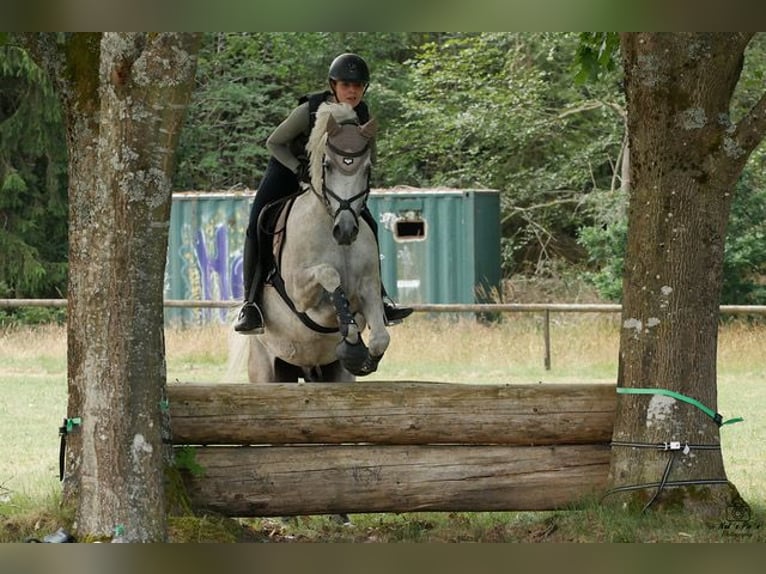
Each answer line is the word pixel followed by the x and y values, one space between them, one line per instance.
pixel 437 246
pixel 207 233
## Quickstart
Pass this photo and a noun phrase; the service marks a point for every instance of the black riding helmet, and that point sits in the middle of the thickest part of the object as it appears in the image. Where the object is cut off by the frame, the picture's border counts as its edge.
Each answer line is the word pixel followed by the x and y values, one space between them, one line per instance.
pixel 349 68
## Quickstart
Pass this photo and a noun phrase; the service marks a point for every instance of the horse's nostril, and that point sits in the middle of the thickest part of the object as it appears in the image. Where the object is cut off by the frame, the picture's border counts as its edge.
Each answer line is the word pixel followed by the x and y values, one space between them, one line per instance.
pixel 345 232
pixel 340 237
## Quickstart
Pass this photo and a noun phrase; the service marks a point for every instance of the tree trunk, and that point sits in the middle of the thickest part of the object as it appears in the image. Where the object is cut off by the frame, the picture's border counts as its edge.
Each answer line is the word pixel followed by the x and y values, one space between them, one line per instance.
pixel 124 96
pixel 685 159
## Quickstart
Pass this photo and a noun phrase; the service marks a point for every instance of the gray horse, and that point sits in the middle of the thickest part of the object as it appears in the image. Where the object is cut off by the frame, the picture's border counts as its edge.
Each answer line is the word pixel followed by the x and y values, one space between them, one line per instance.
pixel 326 288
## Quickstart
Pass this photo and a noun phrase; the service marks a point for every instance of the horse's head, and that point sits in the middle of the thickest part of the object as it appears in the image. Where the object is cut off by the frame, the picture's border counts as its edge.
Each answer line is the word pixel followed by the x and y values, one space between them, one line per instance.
pixel 342 170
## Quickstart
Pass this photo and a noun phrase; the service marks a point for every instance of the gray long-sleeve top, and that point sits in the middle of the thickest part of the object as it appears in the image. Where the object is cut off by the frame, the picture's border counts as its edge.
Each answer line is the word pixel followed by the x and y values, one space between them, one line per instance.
pixel 287 142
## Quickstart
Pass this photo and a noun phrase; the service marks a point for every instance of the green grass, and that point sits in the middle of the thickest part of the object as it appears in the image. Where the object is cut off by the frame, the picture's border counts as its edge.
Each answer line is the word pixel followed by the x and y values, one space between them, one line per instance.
pixel 32 408
pixel 593 523
pixel 584 349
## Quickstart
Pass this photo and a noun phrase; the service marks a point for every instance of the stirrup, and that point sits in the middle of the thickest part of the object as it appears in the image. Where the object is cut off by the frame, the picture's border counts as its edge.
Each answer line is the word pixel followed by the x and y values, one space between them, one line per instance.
pixel 249 320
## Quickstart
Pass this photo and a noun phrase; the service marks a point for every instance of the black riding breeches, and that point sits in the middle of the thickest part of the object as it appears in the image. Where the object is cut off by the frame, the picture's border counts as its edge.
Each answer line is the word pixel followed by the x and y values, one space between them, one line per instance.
pixel 278 182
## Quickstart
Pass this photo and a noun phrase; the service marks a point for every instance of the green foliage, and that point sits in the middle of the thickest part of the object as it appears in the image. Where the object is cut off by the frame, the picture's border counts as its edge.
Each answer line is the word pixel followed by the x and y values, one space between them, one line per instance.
pixel 597 54
pixel 247 84
pixel 33 206
pixel 471 113
pixel 537 116
pixel 32 316
pixel 233 110
pixel 606 244
pixel 744 253
pixel 186 459
pixel 501 111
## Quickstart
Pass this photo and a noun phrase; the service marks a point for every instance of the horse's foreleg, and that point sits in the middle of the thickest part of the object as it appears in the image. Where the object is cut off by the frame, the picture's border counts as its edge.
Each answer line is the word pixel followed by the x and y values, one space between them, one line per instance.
pixel 372 308
pixel 355 356
pixel 351 350
pixel 260 363
pixel 352 353
pixel 314 283
pixel 309 285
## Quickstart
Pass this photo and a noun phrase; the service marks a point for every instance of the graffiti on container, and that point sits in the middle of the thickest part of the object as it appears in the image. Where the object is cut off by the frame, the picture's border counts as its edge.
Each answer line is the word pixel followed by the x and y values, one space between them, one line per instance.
pixel 211 268
pixel 220 276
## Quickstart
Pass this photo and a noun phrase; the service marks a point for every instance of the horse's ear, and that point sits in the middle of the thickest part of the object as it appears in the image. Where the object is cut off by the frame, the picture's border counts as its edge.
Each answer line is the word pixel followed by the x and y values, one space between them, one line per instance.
pixel 332 126
pixel 369 129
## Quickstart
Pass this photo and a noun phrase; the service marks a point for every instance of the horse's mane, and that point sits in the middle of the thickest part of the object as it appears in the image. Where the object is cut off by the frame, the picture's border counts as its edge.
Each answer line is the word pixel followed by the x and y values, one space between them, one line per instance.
pixel 315 146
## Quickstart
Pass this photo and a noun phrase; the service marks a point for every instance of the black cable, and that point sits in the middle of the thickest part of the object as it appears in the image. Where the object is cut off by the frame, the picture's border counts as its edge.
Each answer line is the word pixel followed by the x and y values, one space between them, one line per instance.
pixel 62 449
pixel 673 447
pixel 663 481
pixel 694 482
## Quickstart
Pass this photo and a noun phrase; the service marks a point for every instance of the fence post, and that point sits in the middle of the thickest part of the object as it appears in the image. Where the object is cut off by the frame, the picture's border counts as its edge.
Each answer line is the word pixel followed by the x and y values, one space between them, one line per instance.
pixel 547 337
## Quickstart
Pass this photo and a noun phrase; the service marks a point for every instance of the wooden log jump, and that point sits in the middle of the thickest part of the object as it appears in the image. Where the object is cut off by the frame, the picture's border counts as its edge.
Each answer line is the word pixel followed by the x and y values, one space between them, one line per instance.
pixel 314 448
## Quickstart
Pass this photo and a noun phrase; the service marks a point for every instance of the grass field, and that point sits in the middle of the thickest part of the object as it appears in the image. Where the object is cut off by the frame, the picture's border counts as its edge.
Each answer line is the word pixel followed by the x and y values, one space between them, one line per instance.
pixel 584 349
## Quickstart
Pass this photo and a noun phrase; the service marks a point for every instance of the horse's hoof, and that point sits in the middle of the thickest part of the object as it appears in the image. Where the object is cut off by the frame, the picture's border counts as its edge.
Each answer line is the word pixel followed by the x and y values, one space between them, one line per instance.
pixel 369 366
pixel 373 361
pixel 360 370
pixel 353 357
pixel 361 366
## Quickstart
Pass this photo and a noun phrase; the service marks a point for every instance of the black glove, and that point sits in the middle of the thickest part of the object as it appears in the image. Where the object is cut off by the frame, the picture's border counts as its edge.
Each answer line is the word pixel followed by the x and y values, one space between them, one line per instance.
pixel 302 173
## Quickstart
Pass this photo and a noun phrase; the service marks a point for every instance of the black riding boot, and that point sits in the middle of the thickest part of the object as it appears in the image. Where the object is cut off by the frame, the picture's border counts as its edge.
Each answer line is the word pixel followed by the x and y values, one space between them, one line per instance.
pixel 392 312
pixel 278 182
pixel 250 318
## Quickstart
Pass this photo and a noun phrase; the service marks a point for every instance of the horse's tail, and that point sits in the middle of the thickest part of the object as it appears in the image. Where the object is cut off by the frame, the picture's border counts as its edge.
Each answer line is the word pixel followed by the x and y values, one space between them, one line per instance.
pixel 236 365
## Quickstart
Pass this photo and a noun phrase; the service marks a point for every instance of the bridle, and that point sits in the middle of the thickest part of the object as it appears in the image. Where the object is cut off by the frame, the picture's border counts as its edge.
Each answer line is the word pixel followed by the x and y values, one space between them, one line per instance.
pixel 343 159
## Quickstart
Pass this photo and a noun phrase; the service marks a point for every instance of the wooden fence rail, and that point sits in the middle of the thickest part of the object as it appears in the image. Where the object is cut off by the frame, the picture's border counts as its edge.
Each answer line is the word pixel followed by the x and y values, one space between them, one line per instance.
pixel 316 448
pixel 545 308
pixel 392 413
pixel 421 307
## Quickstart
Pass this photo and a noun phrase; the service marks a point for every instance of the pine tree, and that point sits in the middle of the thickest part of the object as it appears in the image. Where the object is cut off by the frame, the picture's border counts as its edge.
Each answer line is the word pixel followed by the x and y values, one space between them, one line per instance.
pixel 33 201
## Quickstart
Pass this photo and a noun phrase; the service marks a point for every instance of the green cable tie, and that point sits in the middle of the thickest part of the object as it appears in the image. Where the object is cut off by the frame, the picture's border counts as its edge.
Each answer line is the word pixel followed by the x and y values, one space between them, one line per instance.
pixel 717 418
pixel 164 405
pixel 71 423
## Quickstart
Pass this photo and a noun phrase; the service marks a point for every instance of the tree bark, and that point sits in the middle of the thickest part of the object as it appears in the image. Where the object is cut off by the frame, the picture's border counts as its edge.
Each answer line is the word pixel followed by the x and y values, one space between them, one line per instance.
pixel 124 95
pixel 686 156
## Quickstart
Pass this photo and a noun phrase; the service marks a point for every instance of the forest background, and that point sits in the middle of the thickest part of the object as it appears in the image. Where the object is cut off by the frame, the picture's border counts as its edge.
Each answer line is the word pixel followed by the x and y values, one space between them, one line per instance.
pixel 529 114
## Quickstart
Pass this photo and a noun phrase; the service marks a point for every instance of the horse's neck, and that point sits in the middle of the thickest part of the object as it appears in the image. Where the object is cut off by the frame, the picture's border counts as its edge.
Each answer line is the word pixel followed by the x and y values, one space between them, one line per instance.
pixel 309 216
pixel 311 200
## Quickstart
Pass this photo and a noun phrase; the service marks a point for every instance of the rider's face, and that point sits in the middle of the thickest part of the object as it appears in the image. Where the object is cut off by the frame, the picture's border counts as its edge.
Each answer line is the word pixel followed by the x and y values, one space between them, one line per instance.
pixel 349 92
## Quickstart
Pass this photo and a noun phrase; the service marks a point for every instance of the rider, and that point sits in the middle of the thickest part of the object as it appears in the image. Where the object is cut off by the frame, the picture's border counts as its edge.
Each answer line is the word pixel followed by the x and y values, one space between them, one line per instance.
pixel 348 77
